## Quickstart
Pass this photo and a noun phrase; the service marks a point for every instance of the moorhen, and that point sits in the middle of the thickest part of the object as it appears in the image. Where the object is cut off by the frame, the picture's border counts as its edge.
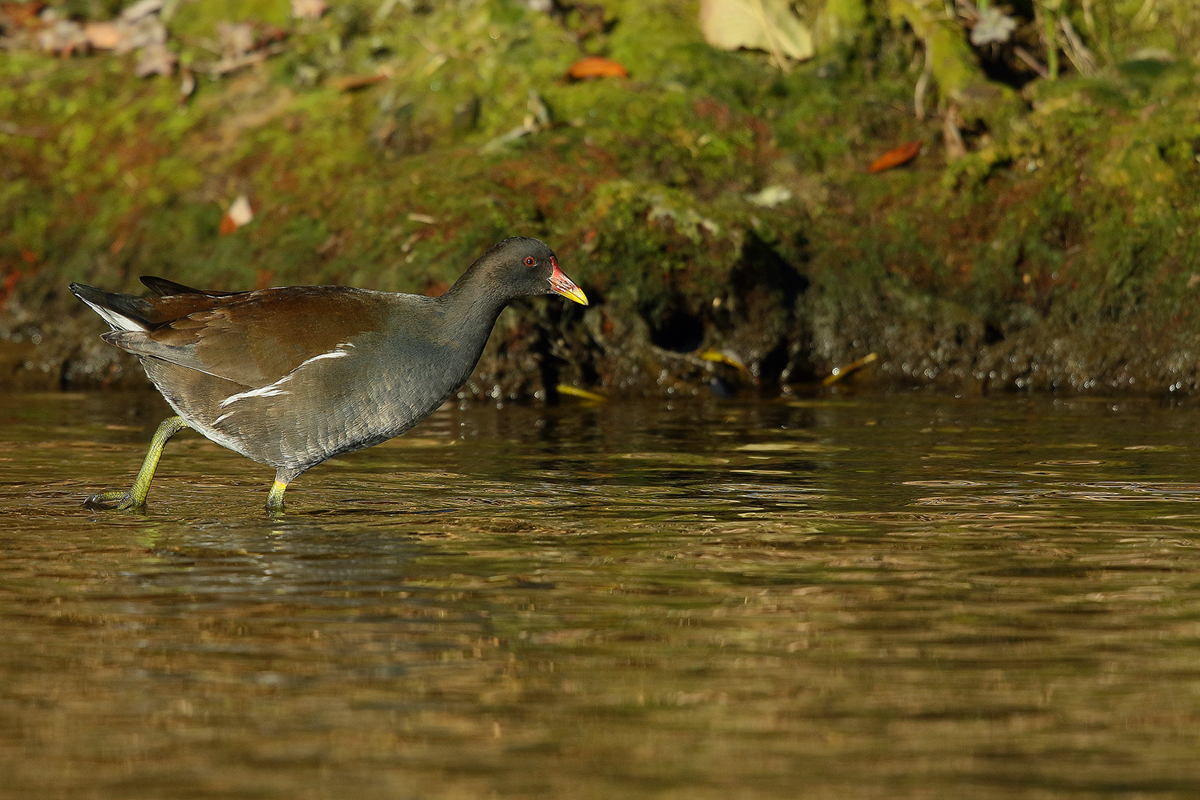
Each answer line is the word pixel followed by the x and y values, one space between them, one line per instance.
pixel 293 376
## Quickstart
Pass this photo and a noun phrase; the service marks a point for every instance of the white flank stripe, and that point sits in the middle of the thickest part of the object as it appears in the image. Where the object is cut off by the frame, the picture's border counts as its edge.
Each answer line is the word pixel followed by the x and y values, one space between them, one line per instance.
pixel 265 391
pixel 336 352
pixel 274 389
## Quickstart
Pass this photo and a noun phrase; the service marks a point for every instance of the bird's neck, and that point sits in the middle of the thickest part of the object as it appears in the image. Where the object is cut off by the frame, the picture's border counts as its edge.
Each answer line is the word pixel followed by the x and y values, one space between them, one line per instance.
pixel 473 298
pixel 468 314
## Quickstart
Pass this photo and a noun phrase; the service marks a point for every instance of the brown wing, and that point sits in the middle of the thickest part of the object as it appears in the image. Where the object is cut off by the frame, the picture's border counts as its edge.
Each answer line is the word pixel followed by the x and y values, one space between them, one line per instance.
pixel 254 338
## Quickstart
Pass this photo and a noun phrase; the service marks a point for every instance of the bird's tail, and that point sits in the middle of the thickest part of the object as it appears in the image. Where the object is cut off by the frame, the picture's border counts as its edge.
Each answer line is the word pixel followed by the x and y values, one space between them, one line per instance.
pixel 123 312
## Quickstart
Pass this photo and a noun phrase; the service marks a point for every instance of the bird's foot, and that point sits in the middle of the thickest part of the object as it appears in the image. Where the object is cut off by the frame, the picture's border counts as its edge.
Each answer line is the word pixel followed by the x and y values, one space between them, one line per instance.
pixel 114 500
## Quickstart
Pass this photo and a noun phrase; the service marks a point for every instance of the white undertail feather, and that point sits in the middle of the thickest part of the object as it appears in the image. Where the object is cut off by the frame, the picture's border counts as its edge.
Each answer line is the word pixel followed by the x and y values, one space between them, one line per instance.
pixel 118 322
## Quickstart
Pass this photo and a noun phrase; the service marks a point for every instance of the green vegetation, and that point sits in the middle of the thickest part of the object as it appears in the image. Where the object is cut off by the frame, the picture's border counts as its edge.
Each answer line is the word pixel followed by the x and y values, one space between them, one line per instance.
pixel 1044 237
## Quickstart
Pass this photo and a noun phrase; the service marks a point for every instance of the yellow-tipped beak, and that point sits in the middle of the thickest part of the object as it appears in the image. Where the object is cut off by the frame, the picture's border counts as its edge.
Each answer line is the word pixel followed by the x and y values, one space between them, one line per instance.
pixel 563 285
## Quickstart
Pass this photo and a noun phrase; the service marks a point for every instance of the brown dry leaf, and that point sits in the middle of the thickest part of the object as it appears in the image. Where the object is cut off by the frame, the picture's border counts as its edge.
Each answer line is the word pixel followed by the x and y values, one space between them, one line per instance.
pixel 20 15
pixel 596 67
pixel 894 158
pixel 239 214
pixel 102 35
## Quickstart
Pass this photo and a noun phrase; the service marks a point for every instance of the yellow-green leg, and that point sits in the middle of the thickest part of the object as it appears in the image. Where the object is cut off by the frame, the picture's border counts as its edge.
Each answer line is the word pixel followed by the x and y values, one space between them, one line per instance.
pixel 136 496
pixel 275 498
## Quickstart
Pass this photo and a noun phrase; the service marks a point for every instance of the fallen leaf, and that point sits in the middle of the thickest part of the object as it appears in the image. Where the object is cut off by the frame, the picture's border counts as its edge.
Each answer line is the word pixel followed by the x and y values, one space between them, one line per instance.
pixel 156 59
pixel 308 9
pixel 102 35
pixel 769 25
pixel 19 15
pixel 894 158
pixel 239 214
pixel 596 67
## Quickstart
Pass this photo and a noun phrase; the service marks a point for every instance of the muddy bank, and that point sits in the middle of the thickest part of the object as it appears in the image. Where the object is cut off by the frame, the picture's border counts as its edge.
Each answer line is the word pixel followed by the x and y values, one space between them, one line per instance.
pixel 718 210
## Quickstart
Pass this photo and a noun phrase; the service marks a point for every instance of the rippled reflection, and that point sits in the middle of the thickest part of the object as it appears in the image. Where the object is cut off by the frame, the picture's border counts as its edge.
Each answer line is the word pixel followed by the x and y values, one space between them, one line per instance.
pixel 880 597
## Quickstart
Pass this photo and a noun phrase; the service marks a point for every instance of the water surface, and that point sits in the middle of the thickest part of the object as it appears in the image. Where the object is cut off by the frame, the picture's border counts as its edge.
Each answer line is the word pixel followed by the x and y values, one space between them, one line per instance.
pixel 874 597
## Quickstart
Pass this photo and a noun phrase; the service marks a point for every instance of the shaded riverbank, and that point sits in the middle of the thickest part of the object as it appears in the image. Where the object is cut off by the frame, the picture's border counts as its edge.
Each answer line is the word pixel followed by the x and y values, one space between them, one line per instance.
pixel 707 202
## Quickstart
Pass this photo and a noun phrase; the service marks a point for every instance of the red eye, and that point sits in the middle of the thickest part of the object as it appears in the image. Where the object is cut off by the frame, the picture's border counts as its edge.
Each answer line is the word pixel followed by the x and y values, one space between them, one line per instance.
pixel 529 262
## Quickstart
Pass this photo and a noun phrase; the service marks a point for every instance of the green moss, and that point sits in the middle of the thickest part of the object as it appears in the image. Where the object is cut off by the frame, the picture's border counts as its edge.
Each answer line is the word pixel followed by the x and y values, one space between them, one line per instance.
pixel 201 19
pixel 1076 212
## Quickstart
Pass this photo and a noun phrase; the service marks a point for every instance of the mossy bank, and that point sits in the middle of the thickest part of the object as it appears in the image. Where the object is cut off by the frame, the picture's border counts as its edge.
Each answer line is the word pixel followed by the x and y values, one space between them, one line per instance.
pixel 708 202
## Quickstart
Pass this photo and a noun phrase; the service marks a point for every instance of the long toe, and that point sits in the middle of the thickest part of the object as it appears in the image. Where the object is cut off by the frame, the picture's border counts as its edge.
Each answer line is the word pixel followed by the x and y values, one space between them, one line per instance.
pixel 115 500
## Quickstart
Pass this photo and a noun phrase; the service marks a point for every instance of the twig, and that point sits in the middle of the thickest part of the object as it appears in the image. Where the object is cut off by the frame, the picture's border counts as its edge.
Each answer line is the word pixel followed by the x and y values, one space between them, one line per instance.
pixel 234 63
pixel 1030 61
pixel 956 148
pixel 922 86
